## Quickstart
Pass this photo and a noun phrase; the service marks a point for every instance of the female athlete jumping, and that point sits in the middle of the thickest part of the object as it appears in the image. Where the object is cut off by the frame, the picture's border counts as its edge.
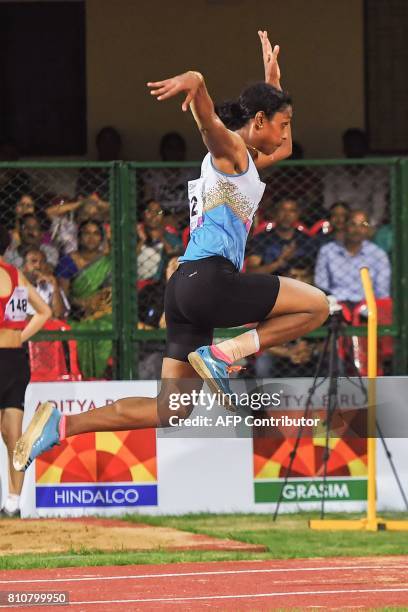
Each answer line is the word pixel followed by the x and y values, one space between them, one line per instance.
pixel 208 290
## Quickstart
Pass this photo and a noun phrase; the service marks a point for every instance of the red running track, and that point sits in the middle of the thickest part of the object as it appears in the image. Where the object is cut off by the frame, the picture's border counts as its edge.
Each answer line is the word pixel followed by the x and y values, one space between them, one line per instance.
pixel 332 583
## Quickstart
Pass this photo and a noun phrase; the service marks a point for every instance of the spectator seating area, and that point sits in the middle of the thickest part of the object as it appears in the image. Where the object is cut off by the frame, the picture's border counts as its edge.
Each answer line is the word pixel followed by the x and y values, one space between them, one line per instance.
pixel 304 229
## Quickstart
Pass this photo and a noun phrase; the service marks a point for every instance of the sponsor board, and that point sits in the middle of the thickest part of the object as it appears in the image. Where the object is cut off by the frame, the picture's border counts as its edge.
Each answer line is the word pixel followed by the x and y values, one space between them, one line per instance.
pixel 96 470
pixel 96 496
pixel 304 490
pixel 194 475
pixel 346 465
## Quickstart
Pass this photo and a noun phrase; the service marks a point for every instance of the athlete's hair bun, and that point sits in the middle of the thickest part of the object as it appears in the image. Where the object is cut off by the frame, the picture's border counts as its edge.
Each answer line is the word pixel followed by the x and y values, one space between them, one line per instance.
pixel 231 114
pixel 257 97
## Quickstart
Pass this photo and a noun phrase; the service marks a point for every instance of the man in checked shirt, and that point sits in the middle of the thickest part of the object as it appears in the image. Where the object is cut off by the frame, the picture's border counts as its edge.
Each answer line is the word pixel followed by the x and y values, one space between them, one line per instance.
pixel 338 264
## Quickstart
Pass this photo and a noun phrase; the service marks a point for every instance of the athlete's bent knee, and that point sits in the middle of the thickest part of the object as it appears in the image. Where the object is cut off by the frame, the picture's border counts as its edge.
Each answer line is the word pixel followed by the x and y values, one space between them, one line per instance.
pixel 173 404
pixel 321 308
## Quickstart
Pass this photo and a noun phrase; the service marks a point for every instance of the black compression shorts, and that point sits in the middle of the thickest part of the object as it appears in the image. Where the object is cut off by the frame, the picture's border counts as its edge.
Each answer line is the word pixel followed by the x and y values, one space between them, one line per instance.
pixel 14 377
pixel 209 293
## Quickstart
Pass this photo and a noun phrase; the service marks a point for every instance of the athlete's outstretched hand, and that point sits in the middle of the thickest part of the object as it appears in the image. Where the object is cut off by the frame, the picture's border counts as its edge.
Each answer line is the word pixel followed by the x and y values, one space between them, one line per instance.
pixel 188 82
pixel 270 60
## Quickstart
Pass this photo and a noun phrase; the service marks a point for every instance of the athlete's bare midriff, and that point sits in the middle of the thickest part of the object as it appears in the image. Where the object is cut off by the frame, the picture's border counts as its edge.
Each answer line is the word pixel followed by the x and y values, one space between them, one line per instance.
pixel 10 338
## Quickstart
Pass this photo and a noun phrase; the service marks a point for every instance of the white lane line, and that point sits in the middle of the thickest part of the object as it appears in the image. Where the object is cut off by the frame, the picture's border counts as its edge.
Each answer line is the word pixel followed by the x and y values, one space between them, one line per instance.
pixel 208 573
pixel 212 597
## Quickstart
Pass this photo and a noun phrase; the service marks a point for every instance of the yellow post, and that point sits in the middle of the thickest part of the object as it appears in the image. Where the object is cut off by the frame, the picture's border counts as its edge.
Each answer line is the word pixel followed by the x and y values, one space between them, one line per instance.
pixel 372 375
pixel 371 522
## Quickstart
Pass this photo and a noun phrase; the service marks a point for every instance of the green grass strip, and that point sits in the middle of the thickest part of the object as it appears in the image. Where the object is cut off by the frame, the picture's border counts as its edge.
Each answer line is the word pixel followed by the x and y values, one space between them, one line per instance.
pixel 287 538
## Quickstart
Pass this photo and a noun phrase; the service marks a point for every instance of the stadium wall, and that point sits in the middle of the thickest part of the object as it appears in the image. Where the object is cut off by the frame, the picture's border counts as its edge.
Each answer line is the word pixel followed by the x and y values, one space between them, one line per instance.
pixel 131 42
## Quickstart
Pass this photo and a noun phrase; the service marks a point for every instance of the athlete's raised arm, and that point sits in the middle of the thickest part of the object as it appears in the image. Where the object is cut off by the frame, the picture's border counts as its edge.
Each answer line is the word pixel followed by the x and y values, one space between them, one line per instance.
pixel 226 147
pixel 259 120
pixel 272 76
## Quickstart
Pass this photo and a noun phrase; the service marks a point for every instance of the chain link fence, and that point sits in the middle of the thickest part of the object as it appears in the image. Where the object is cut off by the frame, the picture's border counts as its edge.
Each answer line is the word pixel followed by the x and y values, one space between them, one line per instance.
pixel 60 224
pixel 100 242
pixel 307 214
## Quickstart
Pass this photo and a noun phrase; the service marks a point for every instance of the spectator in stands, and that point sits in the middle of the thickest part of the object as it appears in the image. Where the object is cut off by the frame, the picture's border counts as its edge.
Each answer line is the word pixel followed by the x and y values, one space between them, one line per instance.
pixel 384 236
pixel 46 284
pixel 335 227
pixel 14 182
pixel 85 276
pixel 156 243
pixel 338 264
pixel 364 186
pixel 301 270
pixel 24 206
pixel 66 216
pixel 297 358
pixel 96 180
pixel 169 185
pixel 31 236
pixel 151 316
pixel 173 147
pixel 270 252
pixel 87 270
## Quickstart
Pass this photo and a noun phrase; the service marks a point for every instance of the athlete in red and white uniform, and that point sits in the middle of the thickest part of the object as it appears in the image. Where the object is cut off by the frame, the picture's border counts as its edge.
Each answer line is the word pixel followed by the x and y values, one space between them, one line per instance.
pixel 15 329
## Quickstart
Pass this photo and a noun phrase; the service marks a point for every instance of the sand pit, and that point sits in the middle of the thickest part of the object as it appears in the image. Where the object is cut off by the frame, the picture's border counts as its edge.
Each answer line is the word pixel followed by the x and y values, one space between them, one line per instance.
pixel 67 535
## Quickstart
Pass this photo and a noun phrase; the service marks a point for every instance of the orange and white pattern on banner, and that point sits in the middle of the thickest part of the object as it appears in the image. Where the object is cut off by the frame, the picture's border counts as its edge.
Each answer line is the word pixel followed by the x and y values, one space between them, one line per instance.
pixel 121 456
pixel 272 457
pixel 347 449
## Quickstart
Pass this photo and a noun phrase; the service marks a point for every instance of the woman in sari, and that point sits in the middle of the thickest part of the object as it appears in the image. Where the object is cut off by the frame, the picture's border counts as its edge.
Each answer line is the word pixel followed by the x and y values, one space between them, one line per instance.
pixel 85 275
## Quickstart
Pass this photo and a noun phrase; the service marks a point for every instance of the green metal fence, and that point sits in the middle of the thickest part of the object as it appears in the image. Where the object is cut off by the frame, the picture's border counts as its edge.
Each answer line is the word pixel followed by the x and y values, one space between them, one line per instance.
pixel 380 184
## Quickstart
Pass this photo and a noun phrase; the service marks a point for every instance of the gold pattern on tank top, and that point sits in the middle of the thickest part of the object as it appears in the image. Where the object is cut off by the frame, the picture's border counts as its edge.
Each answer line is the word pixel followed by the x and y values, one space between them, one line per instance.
pixel 225 192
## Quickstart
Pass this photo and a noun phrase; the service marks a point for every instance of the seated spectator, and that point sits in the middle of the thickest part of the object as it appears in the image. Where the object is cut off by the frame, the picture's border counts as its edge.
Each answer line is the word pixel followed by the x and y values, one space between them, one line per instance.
pixel 31 236
pixel 156 244
pixel 169 185
pixel 87 270
pixel 46 284
pixel 301 270
pixel 384 236
pixel 338 264
pixel 151 316
pixel 364 186
pixel 85 275
pixel 335 227
pixel 97 180
pixel 24 206
pixel 150 310
pixel 66 216
pixel 270 252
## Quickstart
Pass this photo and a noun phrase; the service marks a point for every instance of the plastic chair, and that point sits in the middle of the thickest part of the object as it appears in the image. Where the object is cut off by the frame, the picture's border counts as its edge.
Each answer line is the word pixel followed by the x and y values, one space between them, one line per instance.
pixel 50 361
pixel 267 226
pixel 323 226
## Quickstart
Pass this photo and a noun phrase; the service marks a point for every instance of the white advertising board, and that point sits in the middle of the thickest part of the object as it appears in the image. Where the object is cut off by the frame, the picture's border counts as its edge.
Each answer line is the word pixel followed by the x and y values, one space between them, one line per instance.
pixel 163 475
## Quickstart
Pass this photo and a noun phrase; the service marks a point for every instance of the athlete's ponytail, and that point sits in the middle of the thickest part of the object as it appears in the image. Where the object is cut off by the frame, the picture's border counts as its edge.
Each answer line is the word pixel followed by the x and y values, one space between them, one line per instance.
pixel 255 98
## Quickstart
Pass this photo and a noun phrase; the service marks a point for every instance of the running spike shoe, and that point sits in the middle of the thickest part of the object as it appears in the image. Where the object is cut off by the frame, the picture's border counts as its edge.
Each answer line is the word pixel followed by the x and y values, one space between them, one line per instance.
pixel 41 435
pixel 214 371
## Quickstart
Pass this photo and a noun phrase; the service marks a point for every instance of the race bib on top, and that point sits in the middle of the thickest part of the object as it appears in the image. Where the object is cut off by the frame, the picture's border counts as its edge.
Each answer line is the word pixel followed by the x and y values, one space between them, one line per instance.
pixel 16 307
pixel 195 197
